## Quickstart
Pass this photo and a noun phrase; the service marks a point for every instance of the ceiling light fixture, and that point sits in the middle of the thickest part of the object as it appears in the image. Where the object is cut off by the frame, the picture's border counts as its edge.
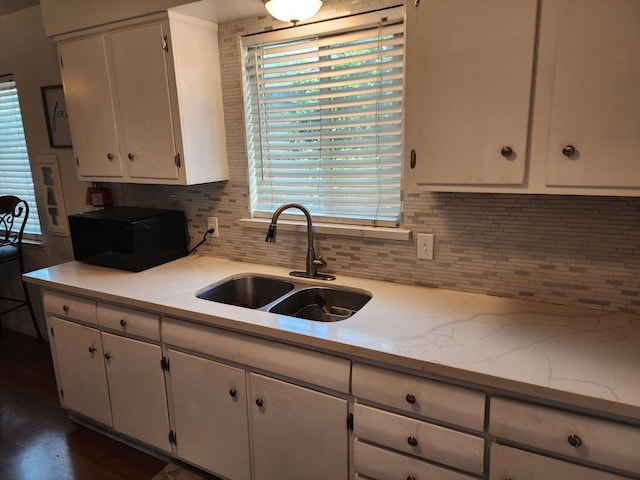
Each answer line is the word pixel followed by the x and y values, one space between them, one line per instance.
pixel 293 11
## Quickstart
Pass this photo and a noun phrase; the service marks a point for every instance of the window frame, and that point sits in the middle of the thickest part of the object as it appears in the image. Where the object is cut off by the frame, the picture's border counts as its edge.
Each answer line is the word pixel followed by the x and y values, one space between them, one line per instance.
pixel 386 17
pixel 20 160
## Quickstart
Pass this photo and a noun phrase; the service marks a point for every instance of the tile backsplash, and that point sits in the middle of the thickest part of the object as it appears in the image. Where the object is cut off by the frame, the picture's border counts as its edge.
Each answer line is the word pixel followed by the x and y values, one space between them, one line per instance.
pixel 573 250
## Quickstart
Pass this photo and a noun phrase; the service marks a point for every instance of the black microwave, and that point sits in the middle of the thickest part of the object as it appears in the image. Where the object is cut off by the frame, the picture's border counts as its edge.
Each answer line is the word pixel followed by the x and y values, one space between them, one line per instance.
pixel 129 238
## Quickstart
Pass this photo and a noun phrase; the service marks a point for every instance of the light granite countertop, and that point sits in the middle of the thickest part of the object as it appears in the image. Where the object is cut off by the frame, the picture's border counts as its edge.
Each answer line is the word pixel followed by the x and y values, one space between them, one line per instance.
pixel 586 358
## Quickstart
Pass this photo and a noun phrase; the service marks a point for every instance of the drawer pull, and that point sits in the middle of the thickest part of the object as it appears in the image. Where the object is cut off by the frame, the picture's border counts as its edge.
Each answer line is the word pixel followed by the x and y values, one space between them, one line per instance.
pixel 574 440
pixel 233 392
pixel 410 398
pixel 123 323
pixel 568 150
pixel 413 441
pixel 506 151
pixel 65 308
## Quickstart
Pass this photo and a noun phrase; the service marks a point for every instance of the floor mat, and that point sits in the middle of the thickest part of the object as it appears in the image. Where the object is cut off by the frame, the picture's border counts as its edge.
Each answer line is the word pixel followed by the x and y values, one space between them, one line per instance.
pixel 176 472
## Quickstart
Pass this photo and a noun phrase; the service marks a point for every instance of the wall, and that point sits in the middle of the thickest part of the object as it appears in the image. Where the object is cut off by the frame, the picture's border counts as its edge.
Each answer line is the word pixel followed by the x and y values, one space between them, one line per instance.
pixel 89 13
pixel 32 57
pixel 571 250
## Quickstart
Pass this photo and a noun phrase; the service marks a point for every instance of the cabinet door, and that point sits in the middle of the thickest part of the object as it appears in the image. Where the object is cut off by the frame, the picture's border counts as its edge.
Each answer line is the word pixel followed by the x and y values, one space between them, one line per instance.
pixel 87 93
pixel 468 88
pixel 596 95
pixel 210 415
pixel 140 70
pixel 136 386
pixel 296 432
pixel 511 463
pixel 81 370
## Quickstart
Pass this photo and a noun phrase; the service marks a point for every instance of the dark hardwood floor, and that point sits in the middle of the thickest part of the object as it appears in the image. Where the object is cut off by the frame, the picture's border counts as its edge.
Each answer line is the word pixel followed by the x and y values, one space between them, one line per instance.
pixel 37 440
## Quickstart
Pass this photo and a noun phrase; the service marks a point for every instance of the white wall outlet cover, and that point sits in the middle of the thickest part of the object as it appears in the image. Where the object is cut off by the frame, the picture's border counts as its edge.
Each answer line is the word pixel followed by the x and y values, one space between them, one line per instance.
pixel 212 222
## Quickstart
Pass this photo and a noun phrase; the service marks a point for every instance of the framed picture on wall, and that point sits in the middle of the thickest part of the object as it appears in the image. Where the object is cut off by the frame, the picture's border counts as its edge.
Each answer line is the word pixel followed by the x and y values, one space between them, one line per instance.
pixel 55 112
pixel 47 179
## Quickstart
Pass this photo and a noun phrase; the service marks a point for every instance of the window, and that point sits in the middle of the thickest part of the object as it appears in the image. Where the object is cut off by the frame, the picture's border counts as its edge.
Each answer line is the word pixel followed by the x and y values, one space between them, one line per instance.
pixel 15 171
pixel 323 106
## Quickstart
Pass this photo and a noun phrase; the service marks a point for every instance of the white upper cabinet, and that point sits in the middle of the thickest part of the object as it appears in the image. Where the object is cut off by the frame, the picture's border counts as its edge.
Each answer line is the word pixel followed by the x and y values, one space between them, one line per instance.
pixel 468 90
pixel 145 101
pixel 89 104
pixel 594 138
pixel 555 81
pixel 148 142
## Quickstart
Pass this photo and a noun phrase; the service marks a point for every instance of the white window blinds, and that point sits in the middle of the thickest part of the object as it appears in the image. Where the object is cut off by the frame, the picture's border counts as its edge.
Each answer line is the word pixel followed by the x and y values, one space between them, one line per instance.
pixel 15 171
pixel 324 118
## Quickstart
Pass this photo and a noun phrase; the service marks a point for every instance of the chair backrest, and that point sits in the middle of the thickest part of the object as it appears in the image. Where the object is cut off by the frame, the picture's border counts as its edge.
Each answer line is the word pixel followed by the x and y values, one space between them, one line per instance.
pixel 13 218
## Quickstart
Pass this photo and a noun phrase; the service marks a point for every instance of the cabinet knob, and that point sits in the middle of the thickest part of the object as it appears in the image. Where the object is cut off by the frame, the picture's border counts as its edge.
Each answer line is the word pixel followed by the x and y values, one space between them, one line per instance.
pixel 233 392
pixel 65 308
pixel 568 150
pixel 131 156
pixel 574 440
pixel 410 398
pixel 92 349
pixel 411 477
pixel 259 402
pixel 110 156
pixel 506 151
pixel 108 356
pixel 413 441
pixel 123 323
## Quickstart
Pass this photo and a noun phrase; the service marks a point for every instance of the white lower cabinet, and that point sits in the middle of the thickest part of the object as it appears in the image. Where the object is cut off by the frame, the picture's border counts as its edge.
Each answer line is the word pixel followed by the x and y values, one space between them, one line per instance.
pixel 420 439
pixel 571 435
pixel 381 464
pixel 233 418
pixel 296 432
pixel 410 444
pixel 210 414
pixel 136 390
pixel 82 379
pixel 249 408
pixel 509 463
pixel 106 377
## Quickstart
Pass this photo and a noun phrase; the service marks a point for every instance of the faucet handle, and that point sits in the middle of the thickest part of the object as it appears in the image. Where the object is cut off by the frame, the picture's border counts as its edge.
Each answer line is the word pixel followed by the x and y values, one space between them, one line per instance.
pixel 320 262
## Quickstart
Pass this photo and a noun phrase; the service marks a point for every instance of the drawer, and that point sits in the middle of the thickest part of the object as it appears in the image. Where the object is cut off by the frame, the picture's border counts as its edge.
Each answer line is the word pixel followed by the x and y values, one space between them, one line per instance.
pixel 422 439
pixel 128 321
pixel 419 396
pixel 381 464
pixel 293 362
pixel 571 434
pixel 511 463
pixel 69 306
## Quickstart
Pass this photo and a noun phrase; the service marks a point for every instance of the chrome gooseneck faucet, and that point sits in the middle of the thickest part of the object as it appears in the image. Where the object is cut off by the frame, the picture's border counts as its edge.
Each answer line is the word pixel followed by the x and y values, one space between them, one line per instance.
pixel 313 262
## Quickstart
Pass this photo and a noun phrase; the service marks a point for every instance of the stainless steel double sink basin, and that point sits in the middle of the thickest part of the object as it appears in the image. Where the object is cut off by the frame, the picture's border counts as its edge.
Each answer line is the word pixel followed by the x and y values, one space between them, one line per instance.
pixel 287 297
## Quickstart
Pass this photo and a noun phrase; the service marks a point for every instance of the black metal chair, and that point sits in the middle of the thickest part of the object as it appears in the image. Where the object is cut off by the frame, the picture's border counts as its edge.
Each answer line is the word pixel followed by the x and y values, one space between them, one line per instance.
pixel 13 218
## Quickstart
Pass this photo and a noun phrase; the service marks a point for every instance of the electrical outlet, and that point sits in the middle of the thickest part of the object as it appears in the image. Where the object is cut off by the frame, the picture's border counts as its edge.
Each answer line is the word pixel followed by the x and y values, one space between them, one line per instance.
pixel 425 246
pixel 212 222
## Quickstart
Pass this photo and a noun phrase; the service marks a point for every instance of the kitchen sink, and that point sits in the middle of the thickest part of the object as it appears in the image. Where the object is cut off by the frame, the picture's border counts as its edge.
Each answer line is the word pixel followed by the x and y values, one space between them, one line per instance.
pixel 249 291
pixel 324 304
pixel 284 297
